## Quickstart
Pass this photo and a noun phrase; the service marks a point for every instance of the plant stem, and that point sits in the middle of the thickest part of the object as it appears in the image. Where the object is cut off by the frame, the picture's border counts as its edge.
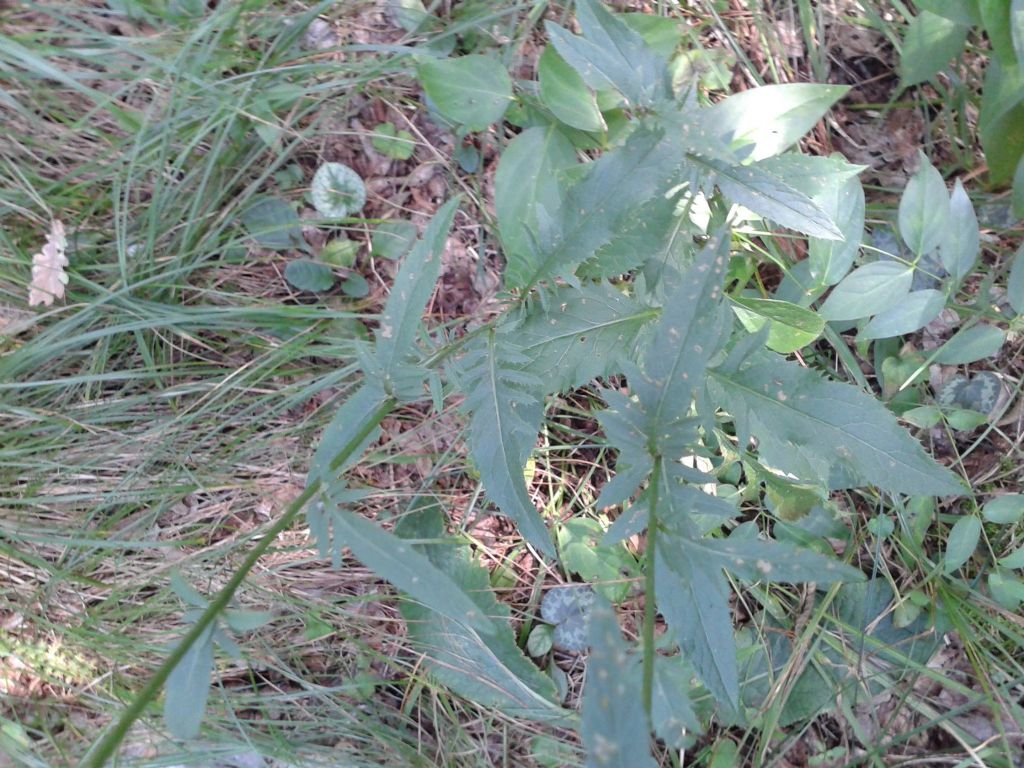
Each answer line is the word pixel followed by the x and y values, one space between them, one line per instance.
pixel 104 749
pixel 650 613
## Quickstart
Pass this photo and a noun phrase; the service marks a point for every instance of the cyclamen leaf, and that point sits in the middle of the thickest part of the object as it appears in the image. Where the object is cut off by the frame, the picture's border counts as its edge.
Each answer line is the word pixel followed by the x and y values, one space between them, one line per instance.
pixel 766 195
pixel 825 431
pixel 592 212
pixel 488 669
pixel 529 179
pixel 407 569
pixel 615 729
pixel 504 421
pixel 188 688
pixel 694 600
pixel 580 334
pixel 563 91
pixel 611 55
pixel 924 209
pixel 867 290
pixel 414 285
pixel 767 120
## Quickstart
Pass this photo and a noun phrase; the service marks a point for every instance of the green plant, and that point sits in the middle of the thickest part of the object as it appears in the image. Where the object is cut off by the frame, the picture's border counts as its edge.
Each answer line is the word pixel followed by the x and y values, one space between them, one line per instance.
pixel 635 268
pixel 938 33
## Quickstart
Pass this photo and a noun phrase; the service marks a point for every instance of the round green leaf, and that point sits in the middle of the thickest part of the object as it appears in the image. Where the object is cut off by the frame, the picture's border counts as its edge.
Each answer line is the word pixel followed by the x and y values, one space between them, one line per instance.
pixel 1004 510
pixel 309 275
pixel 355 285
pixel 539 642
pixel 337 191
pixel 340 252
pixel 393 143
pixel 472 91
pixel 1006 589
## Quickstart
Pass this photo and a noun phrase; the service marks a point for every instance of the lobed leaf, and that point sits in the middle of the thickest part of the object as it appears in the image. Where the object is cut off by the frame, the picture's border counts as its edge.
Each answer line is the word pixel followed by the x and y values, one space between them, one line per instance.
pixel 504 421
pixel 615 729
pixel 486 668
pixel 824 431
pixel 611 55
pixel 412 289
pixel 582 333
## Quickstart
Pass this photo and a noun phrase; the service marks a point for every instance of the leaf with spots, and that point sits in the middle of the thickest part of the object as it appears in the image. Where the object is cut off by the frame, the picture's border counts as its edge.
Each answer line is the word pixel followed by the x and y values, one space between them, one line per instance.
pixel 596 209
pixel 615 730
pixel 581 333
pixel 489 669
pixel 413 288
pixel 823 431
pixel 503 402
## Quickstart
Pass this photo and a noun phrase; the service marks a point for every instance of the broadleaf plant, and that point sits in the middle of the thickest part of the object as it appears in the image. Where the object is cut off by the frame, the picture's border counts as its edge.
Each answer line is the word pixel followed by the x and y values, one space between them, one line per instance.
pixel 629 268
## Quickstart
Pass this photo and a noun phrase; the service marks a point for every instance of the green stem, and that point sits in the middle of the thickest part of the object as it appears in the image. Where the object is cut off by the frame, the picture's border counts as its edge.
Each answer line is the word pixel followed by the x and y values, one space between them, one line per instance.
pixel 103 750
pixel 650 612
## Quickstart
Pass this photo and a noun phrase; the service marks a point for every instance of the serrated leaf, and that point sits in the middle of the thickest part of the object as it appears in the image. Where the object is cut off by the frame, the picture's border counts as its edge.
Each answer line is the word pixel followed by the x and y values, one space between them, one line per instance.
pixel 615 729
pixel 930 42
pixel 563 91
pixel 529 179
pixel 690 331
pixel 959 251
pixel 472 91
pixel 695 602
pixel 766 195
pixel 592 212
pixel 767 560
pixel 767 120
pixel 488 669
pixel 1001 119
pixel 672 713
pixel 1015 283
pixel 789 327
pixel 915 311
pixel 412 289
pixel 188 687
pixel 395 560
pixel 832 184
pixel 924 209
pixel 307 275
pixel 868 290
pixel 1004 510
pixel 274 224
pixel 579 334
pixel 971 344
pixel 962 541
pixel 823 431
pixel 349 420
pixel 611 55
pixel 504 420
